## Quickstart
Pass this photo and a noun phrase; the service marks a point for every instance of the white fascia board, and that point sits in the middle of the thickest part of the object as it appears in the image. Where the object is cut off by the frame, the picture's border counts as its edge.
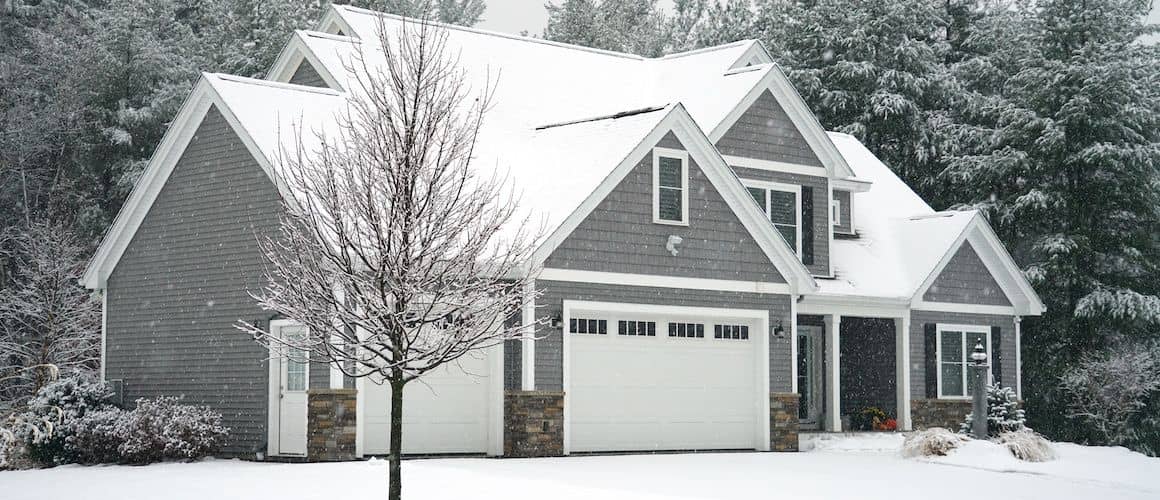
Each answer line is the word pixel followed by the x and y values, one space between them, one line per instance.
pixel 954 307
pixel 775 166
pixel 173 144
pixel 658 281
pixel 332 21
pixel 853 305
pixel 799 113
pixel 852 184
pixel 997 261
pixel 754 55
pixel 720 176
pixel 292 55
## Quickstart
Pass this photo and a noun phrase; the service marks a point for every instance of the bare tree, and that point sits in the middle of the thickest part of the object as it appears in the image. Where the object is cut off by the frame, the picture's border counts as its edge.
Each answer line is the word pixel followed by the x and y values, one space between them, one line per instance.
pixel 396 253
pixel 49 324
pixel 1109 390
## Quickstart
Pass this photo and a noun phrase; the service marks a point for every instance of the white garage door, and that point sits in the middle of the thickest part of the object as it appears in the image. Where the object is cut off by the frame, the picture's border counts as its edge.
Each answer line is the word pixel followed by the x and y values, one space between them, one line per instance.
pixel 445 411
pixel 663 381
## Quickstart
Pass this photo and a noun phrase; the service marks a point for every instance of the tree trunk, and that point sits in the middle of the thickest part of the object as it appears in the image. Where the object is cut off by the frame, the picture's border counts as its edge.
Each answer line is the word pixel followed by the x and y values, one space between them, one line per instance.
pixel 395 469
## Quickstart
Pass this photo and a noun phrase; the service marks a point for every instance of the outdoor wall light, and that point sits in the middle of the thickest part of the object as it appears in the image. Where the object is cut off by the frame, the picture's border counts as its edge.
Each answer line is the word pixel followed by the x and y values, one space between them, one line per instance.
pixel 556 321
pixel 778 331
pixel 671 245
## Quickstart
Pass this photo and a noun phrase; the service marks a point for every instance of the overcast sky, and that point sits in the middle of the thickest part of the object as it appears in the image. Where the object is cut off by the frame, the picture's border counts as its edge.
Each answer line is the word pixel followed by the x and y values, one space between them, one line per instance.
pixel 515 16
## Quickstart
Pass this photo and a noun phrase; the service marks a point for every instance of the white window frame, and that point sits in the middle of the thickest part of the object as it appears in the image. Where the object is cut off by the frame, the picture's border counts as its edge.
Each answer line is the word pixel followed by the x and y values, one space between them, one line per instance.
pixel 836 212
pixel 786 188
pixel 683 156
pixel 962 329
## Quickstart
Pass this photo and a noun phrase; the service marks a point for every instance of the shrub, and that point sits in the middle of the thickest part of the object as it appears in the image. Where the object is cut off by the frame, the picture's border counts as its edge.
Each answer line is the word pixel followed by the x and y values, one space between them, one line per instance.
pixel 1116 394
pixel 869 419
pixel 1003 412
pixel 52 414
pixel 935 441
pixel 163 429
pixel 1026 445
pixel 96 437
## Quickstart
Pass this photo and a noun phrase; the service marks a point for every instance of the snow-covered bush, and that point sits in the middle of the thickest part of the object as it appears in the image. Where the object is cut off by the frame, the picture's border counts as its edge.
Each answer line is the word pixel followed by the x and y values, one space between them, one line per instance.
pixel 1003 412
pixel 1112 391
pixel 1027 445
pixel 52 415
pixel 96 437
pixel 164 429
pixel 935 441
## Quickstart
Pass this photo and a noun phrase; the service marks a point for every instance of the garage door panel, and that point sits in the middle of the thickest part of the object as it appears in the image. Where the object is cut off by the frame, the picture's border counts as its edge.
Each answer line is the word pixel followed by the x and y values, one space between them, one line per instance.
pixel 662 393
pixel 446 411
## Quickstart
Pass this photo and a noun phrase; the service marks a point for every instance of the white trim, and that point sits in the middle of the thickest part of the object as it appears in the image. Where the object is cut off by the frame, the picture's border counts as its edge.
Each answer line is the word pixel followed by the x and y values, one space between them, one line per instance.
pixel 683 156
pixel 104 332
pixel 528 340
pixel 829 231
pixel 953 307
pixel 966 363
pixel 833 348
pixel 851 184
pixel 835 211
pixel 495 397
pixel 654 280
pixel 853 305
pixel 796 189
pixel 1019 357
pixel 1015 287
pixel 720 175
pixel 800 115
pixel 793 345
pixel 753 56
pixel 360 417
pixel 274 408
pixel 775 166
pixel 291 57
pixel 761 352
pixel 902 370
pixel 332 21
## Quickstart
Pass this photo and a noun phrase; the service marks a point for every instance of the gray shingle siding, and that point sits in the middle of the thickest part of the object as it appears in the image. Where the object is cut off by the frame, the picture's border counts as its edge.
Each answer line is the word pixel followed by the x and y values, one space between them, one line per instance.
pixel 549 343
pixel 918 319
pixel 182 283
pixel 821 221
pixel 620 236
pixel 844 212
pixel 307 75
pixel 765 132
pixel 966 280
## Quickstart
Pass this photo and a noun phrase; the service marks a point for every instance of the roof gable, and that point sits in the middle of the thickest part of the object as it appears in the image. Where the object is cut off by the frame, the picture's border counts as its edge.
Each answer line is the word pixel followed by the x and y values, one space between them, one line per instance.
pixel 765 132
pixel 966 280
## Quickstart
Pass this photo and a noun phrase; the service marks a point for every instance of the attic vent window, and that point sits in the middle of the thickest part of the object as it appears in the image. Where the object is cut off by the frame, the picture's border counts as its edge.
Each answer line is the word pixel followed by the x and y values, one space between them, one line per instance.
pixel 670 186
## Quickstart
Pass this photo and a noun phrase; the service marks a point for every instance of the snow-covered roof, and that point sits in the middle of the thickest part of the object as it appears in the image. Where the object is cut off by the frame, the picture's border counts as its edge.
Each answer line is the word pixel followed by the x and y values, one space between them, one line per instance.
pixel 900 238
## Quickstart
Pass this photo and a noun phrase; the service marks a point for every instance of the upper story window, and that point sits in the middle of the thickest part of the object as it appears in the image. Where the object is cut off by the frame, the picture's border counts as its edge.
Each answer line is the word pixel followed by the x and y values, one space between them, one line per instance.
pixel 955 343
pixel 782 203
pixel 670 186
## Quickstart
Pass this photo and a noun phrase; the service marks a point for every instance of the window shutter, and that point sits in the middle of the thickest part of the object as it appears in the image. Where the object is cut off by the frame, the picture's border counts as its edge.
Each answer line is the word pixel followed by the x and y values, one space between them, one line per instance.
pixel 930 359
pixel 807 225
pixel 997 354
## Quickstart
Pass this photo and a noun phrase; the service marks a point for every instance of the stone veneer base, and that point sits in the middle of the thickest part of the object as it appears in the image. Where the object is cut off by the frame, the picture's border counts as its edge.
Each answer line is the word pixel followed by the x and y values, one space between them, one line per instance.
pixel 533 424
pixel 330 424
pixel 783 421
pixel 945 413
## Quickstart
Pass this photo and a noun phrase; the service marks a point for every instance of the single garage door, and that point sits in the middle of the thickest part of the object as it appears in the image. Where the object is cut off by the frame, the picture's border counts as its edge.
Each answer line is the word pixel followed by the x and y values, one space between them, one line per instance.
pixel 445 411
pixel 663 381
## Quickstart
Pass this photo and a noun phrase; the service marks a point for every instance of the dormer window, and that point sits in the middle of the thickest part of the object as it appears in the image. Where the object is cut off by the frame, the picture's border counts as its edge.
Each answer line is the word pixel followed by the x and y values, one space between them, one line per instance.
pixel 782 204
pixel 670 186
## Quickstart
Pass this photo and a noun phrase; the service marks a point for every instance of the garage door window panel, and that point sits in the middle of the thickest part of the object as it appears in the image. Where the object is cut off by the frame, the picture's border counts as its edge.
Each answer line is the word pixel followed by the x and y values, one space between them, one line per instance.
pixel 588 326
pixel 634 328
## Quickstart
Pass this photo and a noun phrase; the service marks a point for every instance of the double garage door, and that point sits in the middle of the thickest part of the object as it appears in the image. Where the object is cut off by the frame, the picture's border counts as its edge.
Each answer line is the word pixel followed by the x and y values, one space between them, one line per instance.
pixel 652 378
pixel 636 377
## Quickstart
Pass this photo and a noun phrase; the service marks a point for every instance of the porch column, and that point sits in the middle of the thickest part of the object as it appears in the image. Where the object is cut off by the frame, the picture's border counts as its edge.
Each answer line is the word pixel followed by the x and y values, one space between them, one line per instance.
pixel 902 370
pixel 528 341
pixel 833 421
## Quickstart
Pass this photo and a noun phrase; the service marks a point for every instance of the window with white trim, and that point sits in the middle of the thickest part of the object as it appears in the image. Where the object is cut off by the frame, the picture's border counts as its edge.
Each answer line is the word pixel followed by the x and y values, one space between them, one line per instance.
pixel 731 332
pixel 633 328
pixel 687 330
pixel 590 326
pixel 955 343
pixel 670 186
pixel 782 203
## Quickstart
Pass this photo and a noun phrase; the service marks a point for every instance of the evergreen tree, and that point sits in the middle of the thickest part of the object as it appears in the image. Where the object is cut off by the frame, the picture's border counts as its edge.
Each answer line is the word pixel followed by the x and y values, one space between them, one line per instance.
pixel 632 26
pixel 461 12
pixel 1059 143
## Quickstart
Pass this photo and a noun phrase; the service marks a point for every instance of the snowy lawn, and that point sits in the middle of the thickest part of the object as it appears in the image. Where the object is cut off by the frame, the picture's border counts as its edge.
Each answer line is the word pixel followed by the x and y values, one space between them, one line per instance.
pixel 863 467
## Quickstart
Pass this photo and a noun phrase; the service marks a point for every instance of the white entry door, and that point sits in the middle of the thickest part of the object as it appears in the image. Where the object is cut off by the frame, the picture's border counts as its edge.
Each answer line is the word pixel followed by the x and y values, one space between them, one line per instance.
pixel 293 377
pixel 449 410
pixel 656 380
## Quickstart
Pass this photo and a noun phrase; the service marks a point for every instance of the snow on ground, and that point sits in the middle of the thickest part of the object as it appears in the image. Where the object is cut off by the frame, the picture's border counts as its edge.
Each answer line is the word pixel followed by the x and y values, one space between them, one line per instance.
pixel 846 467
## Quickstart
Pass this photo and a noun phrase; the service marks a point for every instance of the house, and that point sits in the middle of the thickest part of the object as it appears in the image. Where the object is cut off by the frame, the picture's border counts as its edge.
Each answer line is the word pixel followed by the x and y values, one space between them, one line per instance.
pixel 720 272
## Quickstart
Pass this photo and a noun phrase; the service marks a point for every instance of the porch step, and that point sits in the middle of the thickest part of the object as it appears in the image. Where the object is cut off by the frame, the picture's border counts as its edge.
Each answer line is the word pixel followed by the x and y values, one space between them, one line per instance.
pixel 851 442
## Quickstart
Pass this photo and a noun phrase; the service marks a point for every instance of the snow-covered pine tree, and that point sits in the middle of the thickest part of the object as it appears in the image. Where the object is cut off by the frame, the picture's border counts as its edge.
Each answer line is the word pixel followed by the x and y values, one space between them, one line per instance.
pixel 1060 146
pixel 461 12
pixel 1003 412
pixel 632 26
